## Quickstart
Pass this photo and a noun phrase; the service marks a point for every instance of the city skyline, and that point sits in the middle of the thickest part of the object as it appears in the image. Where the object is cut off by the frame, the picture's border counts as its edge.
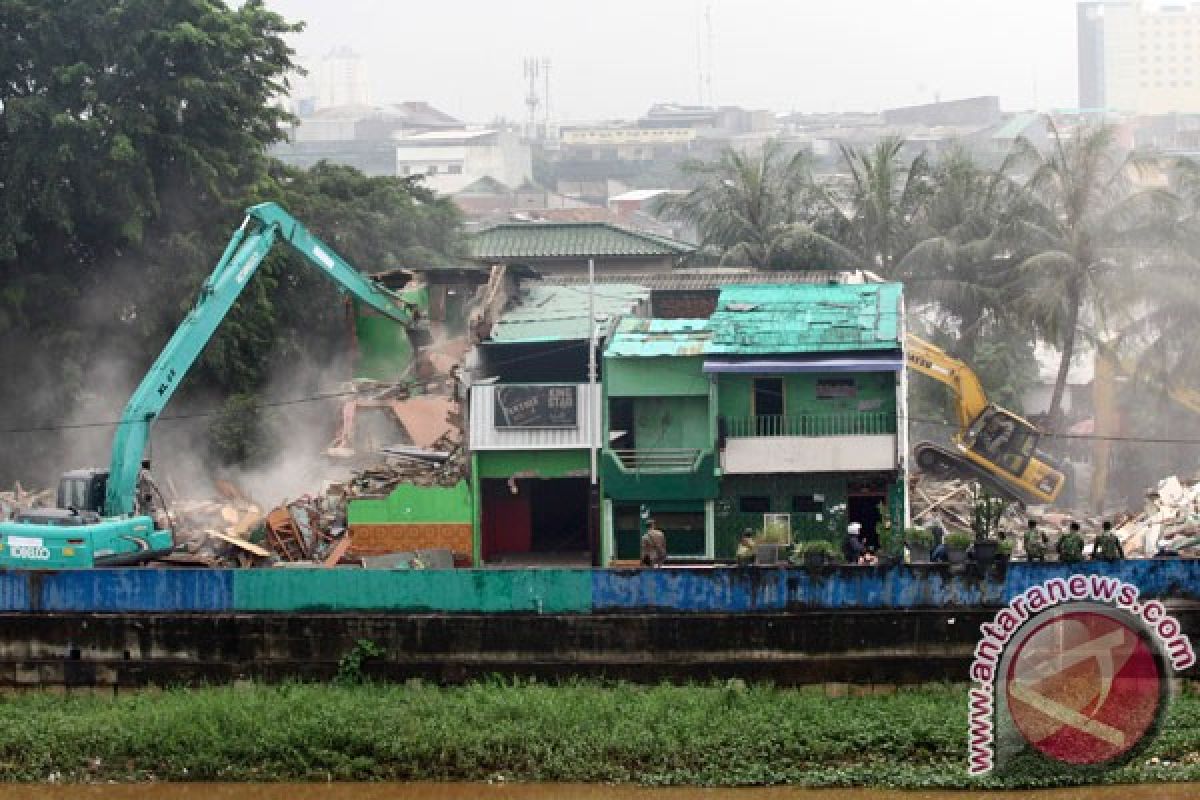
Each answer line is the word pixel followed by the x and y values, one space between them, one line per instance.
pixel 467 59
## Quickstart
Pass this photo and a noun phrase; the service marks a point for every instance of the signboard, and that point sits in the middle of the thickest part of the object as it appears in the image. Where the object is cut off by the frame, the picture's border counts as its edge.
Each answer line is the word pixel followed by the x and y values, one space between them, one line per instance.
pixel 536 407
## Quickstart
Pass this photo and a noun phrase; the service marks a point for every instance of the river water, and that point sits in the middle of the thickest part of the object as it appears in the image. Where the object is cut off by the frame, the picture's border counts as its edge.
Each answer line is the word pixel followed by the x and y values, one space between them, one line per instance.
pixel 549 791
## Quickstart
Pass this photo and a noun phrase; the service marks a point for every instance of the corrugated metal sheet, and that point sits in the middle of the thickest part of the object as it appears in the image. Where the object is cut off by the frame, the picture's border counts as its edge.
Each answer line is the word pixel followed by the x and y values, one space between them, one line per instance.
pixel 751 320
pixel 697 279
pixel 560 313
pixel 135 590
pixel 648 338
pixel 484 435
pixel 569 240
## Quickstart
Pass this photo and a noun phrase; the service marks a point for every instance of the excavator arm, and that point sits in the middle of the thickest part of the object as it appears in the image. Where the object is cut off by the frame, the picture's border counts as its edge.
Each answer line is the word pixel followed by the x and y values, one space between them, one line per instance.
pixel 263 226
pixel 934 362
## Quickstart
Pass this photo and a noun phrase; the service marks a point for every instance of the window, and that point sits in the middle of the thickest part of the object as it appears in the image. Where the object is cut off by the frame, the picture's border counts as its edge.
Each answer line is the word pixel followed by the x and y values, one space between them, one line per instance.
pixel 432 170
pixel 754 505
pixel 454 169
pixel 828 388
pixel 807 504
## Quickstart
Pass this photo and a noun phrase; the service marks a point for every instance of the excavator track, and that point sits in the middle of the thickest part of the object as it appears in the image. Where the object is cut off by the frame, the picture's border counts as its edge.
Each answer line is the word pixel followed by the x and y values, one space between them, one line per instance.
pixel 943 462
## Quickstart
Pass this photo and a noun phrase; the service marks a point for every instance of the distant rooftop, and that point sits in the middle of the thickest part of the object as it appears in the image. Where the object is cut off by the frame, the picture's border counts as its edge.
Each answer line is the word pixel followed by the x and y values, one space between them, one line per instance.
pixel 569 240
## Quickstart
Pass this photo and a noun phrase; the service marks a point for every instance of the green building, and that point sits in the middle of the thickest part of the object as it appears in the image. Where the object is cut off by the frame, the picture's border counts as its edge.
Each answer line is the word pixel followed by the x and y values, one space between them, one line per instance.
pixel 783 406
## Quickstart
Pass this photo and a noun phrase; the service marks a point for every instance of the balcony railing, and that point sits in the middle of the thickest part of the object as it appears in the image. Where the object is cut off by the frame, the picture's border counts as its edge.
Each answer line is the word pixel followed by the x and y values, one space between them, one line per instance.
pixel 869 424
pixel 658 460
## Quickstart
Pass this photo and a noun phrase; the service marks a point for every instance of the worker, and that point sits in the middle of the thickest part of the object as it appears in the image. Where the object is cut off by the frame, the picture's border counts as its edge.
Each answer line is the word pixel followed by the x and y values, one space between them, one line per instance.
pixel 654 545
pixel 1070 545
pixel 937 530
pixel 1107 546
pixel 853 548
pixel 745 548
pixel 1035 543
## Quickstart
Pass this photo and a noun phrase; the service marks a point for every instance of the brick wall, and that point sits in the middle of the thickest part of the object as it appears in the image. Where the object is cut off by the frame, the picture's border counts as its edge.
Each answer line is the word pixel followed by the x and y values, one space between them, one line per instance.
pixel 390 538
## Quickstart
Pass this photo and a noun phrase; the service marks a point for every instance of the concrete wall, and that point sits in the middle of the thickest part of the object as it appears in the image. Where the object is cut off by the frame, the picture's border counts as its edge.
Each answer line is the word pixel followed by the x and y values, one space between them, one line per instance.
pixel 767 454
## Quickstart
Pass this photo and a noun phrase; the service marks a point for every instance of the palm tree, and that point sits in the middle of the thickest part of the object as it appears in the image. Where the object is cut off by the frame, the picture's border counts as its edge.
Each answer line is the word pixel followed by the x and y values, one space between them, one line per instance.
pixel 746 205
pixel 1087 225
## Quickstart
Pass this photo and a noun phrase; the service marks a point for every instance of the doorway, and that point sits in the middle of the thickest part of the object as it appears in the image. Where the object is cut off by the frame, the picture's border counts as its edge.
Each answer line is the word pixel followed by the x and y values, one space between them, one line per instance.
pixel 531 521
pixel 768 406
pixel 864 509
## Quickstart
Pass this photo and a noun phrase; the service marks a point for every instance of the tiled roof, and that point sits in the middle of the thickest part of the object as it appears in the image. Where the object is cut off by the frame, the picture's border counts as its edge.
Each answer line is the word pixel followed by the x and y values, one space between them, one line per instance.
pixel 546 313
pixel 569 240
pixel 647 338
pixel 752 320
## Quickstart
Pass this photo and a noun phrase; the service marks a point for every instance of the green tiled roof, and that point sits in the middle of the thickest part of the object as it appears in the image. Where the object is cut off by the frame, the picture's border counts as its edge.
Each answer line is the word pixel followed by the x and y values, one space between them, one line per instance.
pixel 569 240
pixel 647 338
pixel 547 313
pixel 752 320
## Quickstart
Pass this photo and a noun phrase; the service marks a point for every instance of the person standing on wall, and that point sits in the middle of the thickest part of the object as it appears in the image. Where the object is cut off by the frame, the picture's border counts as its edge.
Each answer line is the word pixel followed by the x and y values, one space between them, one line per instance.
pixel 654 545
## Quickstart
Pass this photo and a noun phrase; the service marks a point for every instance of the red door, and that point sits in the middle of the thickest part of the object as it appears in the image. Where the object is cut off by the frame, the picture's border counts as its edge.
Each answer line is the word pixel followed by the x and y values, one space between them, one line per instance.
pixel 507 521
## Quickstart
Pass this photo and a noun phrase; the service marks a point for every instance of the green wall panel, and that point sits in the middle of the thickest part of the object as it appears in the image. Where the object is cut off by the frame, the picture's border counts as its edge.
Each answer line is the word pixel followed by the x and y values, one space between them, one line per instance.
pixel 655 377
pixel 542 463
pixel 729 522
pixel 622 484
pixel 875 392
pixel 671 422
pixel 409 503
pixel 535 591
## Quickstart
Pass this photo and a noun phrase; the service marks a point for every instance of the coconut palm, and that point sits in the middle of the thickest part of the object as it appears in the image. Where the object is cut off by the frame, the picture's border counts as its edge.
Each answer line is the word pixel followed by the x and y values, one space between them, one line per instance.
pixel 1088 226
pixel 746 206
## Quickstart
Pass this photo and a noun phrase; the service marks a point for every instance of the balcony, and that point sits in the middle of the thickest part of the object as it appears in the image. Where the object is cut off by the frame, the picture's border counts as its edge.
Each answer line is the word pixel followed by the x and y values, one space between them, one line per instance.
pixel 659 473
pixel 658 460
pixel 810 443
pixel 876 423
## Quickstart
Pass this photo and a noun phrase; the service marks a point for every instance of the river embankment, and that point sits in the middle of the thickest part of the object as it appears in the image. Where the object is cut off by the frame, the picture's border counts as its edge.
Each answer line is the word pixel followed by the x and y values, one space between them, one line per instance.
pixel 725 734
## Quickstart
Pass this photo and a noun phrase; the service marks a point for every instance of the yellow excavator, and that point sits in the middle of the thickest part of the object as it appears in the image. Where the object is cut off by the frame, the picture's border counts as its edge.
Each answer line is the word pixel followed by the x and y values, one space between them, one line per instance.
pixel 992 445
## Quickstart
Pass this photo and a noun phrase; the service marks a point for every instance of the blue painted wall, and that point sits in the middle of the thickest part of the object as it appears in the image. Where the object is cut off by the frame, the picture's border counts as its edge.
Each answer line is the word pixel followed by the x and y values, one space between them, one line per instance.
pixel 721 590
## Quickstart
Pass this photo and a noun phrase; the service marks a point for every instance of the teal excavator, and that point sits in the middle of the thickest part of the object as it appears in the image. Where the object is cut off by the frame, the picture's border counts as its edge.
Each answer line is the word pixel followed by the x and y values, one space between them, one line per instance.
pixel 110 517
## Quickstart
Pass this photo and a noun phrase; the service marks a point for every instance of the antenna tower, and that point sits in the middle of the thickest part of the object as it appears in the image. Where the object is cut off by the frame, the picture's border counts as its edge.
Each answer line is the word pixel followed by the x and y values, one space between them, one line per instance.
pixel 532 101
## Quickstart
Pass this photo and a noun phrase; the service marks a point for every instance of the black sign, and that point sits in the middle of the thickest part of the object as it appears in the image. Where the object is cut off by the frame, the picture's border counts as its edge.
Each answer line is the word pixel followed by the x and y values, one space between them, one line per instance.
pixel 536 407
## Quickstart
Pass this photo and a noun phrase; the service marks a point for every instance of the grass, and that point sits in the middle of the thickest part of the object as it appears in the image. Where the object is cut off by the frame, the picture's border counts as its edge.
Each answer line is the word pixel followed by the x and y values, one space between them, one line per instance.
pixel 718 735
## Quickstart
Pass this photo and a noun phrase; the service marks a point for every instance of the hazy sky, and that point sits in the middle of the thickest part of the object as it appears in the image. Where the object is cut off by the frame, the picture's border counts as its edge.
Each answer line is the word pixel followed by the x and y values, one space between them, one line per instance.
pixel 613 58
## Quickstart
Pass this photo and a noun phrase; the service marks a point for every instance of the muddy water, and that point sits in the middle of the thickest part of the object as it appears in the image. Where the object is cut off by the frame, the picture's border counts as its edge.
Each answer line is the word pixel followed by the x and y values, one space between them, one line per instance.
pixel 467 791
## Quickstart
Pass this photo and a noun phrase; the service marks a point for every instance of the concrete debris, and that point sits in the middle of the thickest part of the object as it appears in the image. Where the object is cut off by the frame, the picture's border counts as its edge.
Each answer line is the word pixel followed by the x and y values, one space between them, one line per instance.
pixel 1169 524
pixel 21 499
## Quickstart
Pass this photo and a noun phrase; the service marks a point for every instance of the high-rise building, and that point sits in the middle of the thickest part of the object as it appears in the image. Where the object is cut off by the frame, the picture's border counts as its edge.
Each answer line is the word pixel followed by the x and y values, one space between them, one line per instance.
pixel 1139 57
pixel 341 80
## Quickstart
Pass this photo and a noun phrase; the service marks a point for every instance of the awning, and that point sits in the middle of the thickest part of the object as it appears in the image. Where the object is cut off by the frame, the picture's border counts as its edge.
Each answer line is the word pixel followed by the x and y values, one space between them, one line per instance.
pixel 884 362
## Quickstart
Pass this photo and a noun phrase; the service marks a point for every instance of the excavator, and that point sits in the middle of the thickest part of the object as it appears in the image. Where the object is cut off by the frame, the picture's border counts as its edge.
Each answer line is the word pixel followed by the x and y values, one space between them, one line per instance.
pixel 114 517
pixel 992 445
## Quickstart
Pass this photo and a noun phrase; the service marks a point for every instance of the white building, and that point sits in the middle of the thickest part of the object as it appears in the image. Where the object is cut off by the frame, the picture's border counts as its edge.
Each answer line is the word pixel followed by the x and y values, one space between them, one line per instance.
pixel 1139 57
pixel 452 160
pixel 342 80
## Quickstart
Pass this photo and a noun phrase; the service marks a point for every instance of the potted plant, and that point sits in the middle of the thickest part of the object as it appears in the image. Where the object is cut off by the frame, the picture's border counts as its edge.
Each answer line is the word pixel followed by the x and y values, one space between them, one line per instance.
pixel 920 542
pixel 957 544
pixel 986 513
pixel 1004 550
pixel 891 546
pixel 771 542
pixel 817 553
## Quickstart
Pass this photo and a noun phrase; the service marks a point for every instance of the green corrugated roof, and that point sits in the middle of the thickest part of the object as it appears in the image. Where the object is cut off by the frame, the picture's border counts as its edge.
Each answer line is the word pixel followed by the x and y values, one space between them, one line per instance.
pixel 753 320
pixel 569 240
pixel 647 338
pixel 547 313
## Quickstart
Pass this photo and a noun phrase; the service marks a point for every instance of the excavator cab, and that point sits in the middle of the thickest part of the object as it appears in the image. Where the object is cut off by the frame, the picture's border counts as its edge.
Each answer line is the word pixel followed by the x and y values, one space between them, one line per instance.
pixel 999 442
pixel 83 489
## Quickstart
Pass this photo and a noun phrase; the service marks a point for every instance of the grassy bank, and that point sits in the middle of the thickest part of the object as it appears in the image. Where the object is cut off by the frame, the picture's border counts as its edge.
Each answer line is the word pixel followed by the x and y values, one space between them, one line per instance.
pixel 714 735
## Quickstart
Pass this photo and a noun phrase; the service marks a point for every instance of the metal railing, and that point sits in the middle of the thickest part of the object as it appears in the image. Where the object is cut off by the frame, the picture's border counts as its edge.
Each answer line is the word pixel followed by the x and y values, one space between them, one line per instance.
pixel 873 423
pixel 658 459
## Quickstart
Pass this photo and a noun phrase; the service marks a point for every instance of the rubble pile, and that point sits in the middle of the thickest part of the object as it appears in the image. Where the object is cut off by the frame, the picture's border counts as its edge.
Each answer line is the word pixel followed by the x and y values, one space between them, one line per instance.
pixel 952 501
pixel 1169 523
pixel 214 532
pixel 22 499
